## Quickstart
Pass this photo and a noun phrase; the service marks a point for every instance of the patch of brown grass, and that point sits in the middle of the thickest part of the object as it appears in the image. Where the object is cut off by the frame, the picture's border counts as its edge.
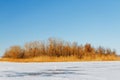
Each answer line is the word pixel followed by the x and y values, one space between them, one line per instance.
pixel 42 59
pixel 62 59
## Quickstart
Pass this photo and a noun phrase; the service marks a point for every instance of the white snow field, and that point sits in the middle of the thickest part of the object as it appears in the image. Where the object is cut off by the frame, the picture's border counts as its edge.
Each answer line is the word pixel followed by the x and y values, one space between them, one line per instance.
pixel 60 71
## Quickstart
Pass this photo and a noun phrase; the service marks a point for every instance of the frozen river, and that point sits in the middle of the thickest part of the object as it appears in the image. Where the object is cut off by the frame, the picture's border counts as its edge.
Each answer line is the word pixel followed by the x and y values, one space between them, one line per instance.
pixel 60 71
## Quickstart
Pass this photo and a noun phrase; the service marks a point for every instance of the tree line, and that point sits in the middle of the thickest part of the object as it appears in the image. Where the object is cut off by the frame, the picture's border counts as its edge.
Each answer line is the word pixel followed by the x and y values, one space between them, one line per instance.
pixel 56 48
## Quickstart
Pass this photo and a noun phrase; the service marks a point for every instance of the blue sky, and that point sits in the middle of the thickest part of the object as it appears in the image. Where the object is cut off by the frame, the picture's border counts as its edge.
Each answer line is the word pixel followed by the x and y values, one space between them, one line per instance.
pixel 84 21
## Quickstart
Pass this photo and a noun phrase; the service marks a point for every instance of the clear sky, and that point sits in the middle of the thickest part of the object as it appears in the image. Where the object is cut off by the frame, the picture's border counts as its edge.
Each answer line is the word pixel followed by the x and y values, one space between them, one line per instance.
pixel 84 21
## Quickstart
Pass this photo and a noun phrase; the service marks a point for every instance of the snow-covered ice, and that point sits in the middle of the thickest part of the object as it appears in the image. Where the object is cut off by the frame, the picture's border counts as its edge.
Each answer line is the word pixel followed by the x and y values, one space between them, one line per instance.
pixel 60 71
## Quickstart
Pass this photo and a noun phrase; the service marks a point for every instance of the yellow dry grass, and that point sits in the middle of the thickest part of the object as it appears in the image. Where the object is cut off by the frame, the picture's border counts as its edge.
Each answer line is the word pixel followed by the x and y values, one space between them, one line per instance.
pixel 61 59
pixel 42 59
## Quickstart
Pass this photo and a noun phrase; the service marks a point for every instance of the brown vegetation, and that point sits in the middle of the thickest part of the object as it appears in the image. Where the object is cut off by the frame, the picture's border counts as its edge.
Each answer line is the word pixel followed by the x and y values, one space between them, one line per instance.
pixel 57 50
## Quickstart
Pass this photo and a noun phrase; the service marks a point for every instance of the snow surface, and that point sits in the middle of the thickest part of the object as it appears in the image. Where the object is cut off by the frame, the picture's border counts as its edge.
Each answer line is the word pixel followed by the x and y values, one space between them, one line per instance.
pixel 60 71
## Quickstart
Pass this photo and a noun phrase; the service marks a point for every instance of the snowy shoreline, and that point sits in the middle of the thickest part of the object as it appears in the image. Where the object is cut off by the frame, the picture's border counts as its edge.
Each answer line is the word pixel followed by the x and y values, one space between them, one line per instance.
pixel 62 62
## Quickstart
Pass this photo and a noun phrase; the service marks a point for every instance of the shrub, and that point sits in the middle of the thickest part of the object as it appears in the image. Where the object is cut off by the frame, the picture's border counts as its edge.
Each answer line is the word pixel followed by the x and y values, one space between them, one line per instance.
pixel 14 52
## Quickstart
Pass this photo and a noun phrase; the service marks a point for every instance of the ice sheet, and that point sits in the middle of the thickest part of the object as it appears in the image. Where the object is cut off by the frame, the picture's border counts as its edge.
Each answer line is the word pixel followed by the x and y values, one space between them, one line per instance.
pixel 60 71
